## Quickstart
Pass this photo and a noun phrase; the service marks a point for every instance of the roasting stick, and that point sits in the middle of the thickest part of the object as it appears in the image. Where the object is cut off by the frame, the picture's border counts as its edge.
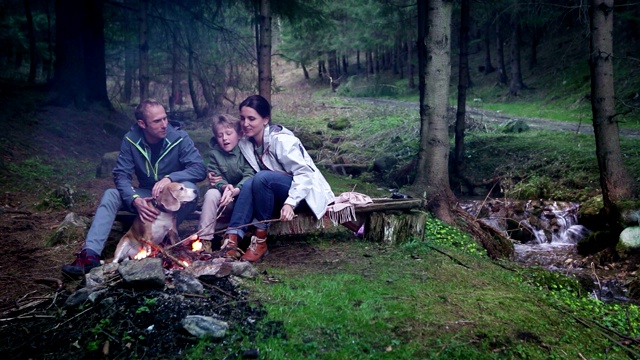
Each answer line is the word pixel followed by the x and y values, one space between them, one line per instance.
pixel 190 237
pixel 199 232
pixel 163 252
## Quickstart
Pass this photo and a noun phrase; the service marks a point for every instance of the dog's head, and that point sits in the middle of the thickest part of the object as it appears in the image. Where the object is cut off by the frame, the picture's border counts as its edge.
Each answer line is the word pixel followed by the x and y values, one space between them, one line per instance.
pixel 174 195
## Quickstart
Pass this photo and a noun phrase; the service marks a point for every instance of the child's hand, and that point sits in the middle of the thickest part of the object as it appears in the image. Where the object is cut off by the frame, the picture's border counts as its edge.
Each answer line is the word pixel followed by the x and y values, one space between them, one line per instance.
pixel 228 194
pixel 214 179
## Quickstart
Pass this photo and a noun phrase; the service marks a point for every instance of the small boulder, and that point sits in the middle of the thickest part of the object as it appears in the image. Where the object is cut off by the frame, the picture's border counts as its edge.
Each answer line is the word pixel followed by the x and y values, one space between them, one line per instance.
pixel 514 126
pixel 143 273
pixel 629 240
pixel 201 326
pixel 339 124
pixel 107 163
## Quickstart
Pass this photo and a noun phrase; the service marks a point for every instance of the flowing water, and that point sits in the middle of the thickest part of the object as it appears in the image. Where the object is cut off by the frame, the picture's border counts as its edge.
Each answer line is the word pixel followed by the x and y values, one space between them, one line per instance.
pixel 545 235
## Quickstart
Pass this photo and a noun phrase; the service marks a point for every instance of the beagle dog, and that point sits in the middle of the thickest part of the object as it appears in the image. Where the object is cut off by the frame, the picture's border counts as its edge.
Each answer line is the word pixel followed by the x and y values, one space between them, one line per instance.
pixel 168 202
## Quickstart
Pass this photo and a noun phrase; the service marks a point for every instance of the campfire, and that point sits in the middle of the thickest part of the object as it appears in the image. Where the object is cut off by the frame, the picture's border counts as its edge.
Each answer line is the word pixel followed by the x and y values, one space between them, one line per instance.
pixel 181 254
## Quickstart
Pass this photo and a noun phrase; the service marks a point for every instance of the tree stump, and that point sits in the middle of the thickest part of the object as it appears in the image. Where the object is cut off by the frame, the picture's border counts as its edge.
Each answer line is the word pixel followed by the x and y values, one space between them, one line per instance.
pixel 394 228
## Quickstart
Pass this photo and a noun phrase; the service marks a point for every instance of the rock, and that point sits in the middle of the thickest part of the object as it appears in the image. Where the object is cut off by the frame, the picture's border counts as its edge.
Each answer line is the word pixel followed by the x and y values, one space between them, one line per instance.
pixel 201 268
pixel 243 269
pixel 100 276
pixel 144 273
pixel 79 297
pixel 514 126
pixel 629 240
pixel 384 163
pixel 630 217
pixel 339 124
pixel 71 229
pixel 186 283
pixel 107 163
pixel 310 141
pixel 201 326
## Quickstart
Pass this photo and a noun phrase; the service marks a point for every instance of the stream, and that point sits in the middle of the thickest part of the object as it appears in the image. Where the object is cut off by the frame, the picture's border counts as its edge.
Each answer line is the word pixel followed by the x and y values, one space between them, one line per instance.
pixel 545 234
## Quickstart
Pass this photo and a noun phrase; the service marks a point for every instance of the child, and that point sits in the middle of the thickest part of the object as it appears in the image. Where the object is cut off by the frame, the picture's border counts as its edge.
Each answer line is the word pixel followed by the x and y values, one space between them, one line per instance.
pixel 226 161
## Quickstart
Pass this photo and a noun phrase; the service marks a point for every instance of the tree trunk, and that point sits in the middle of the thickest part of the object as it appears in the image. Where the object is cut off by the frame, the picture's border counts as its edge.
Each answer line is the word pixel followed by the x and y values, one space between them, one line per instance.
pixel 433 154
pixel 411 65
pixel 48 61
pixel 143 51
pixel 33 62
pixel 422 55
pixel 94 53
pixel 488 67
pixel 305 71
pixel 129 71
pixel 264 58
pixel 463 84
pixel 345 65
pixel 175 78
pixel 502 69
pixel 193 93
pixel 614 180
pixel 80 71
pixel 516 70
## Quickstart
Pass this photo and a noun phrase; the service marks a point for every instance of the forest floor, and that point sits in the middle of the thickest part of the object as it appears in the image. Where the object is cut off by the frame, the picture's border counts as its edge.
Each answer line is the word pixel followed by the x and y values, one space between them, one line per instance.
pixel 44 139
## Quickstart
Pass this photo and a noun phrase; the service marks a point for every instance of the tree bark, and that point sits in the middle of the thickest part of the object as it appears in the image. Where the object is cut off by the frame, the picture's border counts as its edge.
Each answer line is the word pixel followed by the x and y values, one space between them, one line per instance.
pixel 80 72
pixel 143 51
pixel 616 184
pixel 488 66
pixel 463 84
pixel 175 78
pixel 264 57
pixel 432 177
pixel 94 53
pixel 33 60
pixel 502 69
pixel 516 69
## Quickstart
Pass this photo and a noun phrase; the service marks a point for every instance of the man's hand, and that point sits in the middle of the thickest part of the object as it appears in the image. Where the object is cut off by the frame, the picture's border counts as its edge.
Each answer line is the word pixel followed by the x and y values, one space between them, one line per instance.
pixel 287 214
pixel 157 188
pixel 228 194
pixel 213 178
pixel 146 213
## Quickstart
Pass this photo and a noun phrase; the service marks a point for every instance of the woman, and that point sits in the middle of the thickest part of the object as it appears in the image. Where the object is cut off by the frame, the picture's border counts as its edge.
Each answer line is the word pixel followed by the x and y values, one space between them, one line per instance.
pixel 286 177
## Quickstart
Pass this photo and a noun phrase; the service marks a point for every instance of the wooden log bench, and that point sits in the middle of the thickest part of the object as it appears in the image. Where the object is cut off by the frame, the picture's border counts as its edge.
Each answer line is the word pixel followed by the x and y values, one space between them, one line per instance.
pixel 385 220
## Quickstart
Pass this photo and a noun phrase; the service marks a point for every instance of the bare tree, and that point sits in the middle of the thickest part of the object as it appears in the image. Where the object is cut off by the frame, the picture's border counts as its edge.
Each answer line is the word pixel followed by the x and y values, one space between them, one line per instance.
pixel 616 184
pixel 143 49
pixel 264 54
pixel 463 84
pixel 432 178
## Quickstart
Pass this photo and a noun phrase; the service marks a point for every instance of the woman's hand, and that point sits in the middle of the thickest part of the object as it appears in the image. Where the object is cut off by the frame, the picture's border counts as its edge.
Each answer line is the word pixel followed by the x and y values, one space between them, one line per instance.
pixel 228 194
pixel 287 214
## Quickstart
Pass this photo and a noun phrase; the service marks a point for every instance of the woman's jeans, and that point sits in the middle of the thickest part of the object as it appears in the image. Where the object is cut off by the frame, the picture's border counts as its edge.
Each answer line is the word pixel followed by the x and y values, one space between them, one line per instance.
pixel 259 197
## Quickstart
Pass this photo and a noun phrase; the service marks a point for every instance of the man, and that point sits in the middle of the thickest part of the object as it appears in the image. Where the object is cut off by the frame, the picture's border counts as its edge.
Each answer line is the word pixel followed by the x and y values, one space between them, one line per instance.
pixel 158 154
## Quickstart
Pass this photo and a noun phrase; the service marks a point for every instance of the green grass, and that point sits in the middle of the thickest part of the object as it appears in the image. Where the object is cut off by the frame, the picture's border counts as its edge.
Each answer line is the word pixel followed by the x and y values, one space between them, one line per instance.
pixel 412 302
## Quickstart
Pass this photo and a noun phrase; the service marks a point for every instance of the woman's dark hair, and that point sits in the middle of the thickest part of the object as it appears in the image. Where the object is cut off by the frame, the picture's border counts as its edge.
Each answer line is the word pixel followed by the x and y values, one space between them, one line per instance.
pixel 259 104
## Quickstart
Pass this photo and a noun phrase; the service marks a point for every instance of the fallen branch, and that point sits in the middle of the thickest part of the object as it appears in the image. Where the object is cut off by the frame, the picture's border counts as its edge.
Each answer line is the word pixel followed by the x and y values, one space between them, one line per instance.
pixel 218 289
pixel 190 237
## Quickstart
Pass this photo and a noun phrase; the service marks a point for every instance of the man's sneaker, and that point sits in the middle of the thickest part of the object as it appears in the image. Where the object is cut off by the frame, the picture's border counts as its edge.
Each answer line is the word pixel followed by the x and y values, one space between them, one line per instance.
pixel 85 261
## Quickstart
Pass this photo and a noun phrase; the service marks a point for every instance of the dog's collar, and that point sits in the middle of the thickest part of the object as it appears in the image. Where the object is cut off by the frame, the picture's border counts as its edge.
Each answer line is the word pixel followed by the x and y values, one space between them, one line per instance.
pixel 158 206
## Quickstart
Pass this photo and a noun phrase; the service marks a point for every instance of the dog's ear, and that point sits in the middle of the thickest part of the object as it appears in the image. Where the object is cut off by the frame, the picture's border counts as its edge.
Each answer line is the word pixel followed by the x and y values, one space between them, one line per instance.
pixel 168 199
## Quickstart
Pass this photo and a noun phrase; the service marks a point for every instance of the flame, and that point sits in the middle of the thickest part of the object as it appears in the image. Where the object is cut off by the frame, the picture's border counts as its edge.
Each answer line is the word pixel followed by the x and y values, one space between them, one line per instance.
pixel 185 264
pixel 196 245
pixel 141 255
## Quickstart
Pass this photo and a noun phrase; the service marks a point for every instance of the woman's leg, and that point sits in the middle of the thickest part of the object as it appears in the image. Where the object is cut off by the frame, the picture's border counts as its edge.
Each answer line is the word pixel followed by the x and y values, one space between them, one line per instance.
pixel 270 190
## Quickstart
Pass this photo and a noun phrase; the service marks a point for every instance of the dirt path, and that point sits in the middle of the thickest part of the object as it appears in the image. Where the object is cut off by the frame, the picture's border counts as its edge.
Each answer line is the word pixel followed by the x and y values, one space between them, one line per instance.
pixel 494 117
